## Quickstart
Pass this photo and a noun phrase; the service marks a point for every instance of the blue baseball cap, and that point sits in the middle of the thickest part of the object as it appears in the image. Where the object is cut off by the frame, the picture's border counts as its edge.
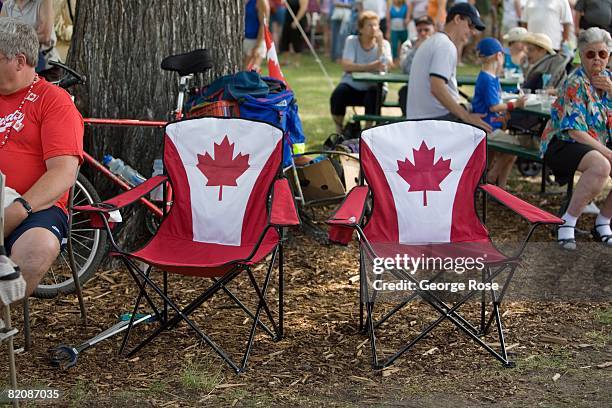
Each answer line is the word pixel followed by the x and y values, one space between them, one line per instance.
pixel 490 46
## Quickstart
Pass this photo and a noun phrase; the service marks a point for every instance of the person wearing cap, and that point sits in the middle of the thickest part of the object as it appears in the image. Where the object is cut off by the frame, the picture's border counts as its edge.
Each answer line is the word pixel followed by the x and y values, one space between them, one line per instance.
pixel 576 136
pixel 432 87
pixel 488 101
pixel 546 67
pixel 514 61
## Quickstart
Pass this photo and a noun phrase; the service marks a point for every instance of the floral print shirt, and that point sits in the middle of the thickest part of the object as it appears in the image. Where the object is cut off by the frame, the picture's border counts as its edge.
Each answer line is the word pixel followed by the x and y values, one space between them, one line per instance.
pixel 579 107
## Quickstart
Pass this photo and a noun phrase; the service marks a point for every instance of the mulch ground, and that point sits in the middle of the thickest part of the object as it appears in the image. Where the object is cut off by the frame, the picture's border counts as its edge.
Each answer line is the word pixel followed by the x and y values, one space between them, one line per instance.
pixel 558 321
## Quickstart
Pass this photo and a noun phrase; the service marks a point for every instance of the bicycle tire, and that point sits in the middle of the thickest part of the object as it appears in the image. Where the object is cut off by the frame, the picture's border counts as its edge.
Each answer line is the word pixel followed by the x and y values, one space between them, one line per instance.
pixel 88 255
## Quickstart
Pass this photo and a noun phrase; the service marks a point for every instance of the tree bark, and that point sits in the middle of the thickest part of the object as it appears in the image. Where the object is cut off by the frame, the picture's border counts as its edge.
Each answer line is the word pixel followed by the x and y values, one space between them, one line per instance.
pixel 119 45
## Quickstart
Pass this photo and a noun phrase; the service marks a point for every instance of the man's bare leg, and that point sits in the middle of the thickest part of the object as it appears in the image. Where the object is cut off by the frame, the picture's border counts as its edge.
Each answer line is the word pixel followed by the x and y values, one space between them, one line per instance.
pixel 34 252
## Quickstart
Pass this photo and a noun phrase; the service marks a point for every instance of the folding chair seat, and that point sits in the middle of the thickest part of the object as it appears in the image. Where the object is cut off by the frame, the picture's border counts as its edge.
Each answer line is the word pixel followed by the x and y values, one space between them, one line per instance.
pixel 419 202
pixel 230 205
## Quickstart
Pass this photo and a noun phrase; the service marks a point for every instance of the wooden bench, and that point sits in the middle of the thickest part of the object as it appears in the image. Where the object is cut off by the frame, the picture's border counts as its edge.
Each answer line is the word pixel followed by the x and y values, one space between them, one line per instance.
pixel 391 104
pixel 533 155
pixel 522 152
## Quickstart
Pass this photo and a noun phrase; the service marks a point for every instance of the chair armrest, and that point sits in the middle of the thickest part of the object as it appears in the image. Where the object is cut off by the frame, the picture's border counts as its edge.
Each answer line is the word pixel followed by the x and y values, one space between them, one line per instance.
pixel 350 213
pixel 528 211
pixel 283 212
pixel 351 209
pixel 124 199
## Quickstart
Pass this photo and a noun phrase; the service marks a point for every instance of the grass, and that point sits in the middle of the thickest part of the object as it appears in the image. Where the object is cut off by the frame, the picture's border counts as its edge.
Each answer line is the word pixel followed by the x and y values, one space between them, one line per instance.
pixel 598 338
pixel 78 393
pixel 604 316
pixel 559 361
pixel 199 377
pixel 312 92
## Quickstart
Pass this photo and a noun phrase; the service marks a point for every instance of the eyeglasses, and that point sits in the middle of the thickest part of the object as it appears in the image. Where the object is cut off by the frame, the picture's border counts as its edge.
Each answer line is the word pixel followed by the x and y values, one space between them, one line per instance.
pixel 603 54
pixel 471 25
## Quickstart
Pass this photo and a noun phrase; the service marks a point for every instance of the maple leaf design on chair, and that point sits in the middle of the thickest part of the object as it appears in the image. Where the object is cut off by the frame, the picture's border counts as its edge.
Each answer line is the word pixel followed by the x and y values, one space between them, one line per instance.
pixel 224 169
pixel 424 175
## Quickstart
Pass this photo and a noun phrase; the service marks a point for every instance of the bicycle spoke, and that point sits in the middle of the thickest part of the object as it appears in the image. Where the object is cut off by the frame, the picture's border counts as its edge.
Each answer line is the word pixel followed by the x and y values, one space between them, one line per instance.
pixel 86 229
pixel 74 223
pixel 79 255
pixel 83 237
pixel 81 244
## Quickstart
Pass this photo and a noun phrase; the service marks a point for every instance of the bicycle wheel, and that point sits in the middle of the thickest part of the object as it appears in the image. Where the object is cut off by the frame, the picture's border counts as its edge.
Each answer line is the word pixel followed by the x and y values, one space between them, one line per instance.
pixel 89 247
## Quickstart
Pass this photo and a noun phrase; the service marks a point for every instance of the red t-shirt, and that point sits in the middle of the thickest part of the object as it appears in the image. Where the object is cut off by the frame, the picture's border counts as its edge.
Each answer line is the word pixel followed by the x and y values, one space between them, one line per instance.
pixel 49 126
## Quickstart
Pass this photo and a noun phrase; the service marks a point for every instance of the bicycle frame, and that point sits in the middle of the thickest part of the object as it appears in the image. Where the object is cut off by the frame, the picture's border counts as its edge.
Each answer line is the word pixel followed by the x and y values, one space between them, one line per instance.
pixel 106 172
pixel 177 114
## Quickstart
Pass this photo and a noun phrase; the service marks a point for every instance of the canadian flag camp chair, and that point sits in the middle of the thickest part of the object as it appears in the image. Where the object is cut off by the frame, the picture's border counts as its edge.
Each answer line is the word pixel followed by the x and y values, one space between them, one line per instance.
pixel 230 203
pixel 419 201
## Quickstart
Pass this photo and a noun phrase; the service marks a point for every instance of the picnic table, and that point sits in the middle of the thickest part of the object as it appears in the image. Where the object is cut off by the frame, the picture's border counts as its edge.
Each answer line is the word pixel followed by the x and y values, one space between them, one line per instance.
pixel 381 78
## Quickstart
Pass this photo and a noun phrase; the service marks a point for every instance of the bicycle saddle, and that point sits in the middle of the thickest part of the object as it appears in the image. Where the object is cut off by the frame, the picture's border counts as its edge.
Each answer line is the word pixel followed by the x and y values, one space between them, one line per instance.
pixel 188 63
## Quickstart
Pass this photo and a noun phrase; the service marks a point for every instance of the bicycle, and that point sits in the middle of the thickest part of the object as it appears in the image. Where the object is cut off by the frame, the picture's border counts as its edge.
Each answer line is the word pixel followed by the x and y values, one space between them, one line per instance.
pixel 87 245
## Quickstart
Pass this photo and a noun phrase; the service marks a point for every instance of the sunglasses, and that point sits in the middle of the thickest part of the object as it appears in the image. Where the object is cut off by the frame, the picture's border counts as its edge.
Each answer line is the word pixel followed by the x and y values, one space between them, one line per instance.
pixel 603 54
pixel 471 25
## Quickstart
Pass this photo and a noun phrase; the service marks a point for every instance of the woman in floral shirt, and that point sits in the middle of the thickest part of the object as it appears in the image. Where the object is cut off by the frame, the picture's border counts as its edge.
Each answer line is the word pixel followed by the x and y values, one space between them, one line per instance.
pixel 576 136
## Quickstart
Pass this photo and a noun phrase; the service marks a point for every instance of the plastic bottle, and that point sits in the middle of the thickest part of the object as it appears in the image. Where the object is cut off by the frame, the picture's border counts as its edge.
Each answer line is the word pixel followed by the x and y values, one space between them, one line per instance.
pixel 317 159
pixel 158 168
pixel 118 167
pixel 385 63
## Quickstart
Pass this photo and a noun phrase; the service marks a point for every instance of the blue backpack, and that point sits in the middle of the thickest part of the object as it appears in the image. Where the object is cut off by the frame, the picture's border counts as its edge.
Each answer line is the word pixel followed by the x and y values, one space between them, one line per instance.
pixel 265 99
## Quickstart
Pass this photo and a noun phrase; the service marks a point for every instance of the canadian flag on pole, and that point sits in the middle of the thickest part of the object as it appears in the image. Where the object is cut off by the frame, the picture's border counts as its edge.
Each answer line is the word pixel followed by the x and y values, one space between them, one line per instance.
pixel 273 65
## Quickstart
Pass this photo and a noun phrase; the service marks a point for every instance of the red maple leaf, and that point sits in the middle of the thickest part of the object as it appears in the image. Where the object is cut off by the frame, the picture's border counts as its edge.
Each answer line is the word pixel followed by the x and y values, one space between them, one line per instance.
pixel 424 175
pixel 224 169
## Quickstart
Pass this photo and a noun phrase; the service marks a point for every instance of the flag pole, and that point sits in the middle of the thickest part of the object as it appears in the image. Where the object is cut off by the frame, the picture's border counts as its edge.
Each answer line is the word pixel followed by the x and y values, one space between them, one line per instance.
pixel 312 50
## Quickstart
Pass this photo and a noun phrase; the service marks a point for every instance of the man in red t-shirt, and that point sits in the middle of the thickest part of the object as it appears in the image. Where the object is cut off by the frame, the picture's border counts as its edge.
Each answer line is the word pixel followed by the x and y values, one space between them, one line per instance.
pixel 41 147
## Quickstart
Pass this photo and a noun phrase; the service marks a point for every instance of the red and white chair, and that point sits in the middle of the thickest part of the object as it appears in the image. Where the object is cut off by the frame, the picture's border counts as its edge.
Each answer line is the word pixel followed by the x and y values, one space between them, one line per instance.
pixel 230 204
pixel 419 201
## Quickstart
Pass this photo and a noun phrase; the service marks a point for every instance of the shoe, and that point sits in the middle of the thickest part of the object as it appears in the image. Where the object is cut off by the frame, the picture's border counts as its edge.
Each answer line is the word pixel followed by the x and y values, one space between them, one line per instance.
pixel 604 239
pixel 591 208
pixel 566 244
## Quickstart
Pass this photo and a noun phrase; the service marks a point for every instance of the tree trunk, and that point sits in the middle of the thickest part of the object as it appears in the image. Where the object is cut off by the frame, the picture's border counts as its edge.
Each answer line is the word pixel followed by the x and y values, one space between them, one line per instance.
pixel 119 45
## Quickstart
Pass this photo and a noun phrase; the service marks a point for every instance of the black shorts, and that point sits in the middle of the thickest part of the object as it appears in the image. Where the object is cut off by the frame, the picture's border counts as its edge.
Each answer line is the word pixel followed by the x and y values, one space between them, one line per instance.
pixel 345 95
pixel 563 158
pixel 52 219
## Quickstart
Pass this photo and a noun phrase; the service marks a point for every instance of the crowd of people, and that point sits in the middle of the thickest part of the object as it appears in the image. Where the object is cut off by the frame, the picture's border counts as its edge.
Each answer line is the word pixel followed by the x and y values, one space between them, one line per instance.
pixel 540 56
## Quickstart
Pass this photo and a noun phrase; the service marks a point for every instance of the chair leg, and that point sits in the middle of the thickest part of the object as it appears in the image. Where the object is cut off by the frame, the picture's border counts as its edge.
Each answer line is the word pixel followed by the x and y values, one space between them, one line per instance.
pixel 262 303
pixel 482 304
pixel 126 336
pixel 165 311
pixel 75 277
pixel 143 280
pixel 281 291
pixel 451 313
pixel 362 282
pixel 26 324
pixel 11 352
pixel 500 333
